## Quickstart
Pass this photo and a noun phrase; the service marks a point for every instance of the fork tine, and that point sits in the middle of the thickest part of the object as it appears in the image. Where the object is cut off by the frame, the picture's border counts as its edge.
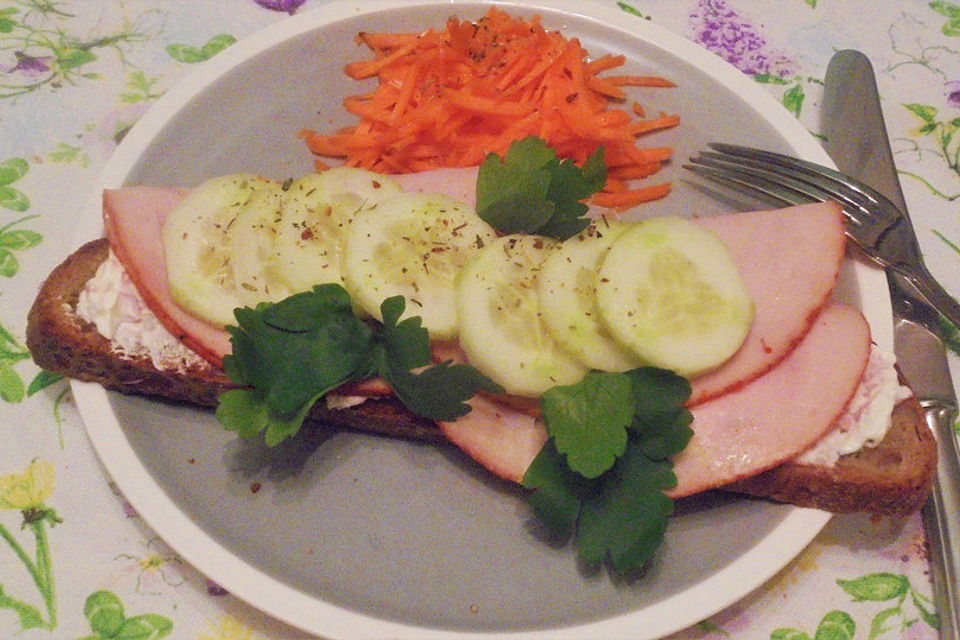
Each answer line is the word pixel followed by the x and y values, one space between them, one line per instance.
pixel 776 193
pixel 780 187
pixel 871 219
pixel 866 199
pixel 873 222
pixel 814 182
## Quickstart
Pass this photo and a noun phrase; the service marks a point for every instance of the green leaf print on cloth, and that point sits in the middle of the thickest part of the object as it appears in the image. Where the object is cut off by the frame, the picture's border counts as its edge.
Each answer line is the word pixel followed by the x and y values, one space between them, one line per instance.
pixel 104 611
pixel 11 170
pixel 46 56
pixel 887 587
pixel 11 240
pixel 943 133
pixel 950 334
pixel 12 386
pixel 192 55
pixel 950 11
pixel 632 10
pixel 27 493
pixel 836 625
pixel 140 88
pixel 881 587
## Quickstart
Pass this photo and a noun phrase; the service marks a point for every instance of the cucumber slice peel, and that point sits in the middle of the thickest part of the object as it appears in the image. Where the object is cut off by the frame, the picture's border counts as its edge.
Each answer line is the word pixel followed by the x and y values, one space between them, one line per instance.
pixel 566 289
pixel 414 245
pixel 253 248
pixel 501 331
pixel 196 241
pixel 317 210
pixel 669 291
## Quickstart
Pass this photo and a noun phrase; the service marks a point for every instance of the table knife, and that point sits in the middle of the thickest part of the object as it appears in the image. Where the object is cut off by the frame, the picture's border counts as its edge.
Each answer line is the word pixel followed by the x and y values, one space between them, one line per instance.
pixel 857 142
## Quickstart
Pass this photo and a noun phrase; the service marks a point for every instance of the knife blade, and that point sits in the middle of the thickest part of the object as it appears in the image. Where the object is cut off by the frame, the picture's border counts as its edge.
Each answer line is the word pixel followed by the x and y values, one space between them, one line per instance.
pixel 857 142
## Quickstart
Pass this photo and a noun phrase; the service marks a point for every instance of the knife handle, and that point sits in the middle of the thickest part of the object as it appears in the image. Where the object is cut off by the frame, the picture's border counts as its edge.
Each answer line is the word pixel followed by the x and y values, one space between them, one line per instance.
pixel 941 518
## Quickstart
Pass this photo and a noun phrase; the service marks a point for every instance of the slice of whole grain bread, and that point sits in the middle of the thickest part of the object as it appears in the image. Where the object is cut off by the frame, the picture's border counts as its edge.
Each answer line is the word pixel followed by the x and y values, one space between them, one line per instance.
pixel 893 478
pixel 61 341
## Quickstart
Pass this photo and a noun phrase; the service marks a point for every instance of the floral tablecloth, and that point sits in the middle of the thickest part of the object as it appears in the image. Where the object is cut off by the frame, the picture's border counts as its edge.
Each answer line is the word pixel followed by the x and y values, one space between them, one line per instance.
pixel 75 75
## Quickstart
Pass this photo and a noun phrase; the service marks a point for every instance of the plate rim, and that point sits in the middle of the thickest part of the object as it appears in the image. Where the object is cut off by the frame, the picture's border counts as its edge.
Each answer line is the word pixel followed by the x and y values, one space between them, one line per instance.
pixel 306 612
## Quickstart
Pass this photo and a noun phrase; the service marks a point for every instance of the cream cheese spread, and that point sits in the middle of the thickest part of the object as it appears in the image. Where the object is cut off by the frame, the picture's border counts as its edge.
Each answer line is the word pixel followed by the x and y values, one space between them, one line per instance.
pixel 868 415
pixel 335 401
pixel 110 302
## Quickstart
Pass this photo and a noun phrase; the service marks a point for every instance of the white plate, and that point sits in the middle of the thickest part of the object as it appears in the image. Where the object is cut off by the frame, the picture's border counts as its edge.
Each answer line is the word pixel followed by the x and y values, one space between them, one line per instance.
pixel 352 536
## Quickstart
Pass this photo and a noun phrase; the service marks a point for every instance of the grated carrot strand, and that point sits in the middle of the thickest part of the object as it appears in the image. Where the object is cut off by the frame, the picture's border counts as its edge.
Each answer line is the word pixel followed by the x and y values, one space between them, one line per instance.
pixel 449 97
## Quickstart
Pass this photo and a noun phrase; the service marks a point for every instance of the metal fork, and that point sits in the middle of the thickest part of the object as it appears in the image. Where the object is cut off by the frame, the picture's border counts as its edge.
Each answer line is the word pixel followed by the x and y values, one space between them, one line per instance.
pixel 872 221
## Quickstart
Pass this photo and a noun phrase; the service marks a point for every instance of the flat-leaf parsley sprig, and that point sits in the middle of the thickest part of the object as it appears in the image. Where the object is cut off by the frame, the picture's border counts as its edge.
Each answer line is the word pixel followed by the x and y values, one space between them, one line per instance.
pixel 605 466
pixel 289 354
pixel 531 190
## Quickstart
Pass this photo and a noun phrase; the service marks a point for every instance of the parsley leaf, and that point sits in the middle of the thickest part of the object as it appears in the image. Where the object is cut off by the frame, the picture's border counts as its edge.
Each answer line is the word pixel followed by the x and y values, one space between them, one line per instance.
pixel 288 354
pixel 297 348
pixel 438 392
pixel 659 412
pixel 530 190
pixel 658 393
pixel 620 513
pixel 626 518
pixel 518 183
pixel 588 420
pixel 558 491
pixel 246 412
pixel 570 185
pixel 407 343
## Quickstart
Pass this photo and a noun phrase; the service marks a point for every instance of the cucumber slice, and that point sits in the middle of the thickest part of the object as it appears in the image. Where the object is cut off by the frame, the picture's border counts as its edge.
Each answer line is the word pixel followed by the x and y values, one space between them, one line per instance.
pixel 369 186
pixel 566 289
pixel 254 252
pixel 669 291
pixel 196 242
pixel 414 245
pixel 500 326
pixel 317 209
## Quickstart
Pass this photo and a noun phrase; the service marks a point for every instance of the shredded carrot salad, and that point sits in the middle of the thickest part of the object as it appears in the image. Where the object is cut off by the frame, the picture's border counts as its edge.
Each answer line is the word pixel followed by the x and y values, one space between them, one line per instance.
pixel 448 98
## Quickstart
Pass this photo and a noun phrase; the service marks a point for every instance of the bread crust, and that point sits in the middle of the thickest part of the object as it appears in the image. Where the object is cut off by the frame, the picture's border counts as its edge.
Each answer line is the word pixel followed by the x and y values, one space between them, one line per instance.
pixel 61 341
pixel 893 478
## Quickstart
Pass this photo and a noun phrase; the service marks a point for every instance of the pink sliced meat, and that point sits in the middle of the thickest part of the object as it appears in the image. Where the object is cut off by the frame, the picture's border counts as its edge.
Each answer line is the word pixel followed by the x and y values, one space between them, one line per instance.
pixel 133 217
pixel 782 413
pixel 789 260
pixel 459 183
pixel 772 419
pixel 503 439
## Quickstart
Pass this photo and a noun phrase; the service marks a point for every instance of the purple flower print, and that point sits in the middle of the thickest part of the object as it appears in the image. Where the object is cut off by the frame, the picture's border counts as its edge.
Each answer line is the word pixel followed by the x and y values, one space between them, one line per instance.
pixel 30 66
pixel 215 589
pixel 721 30
pixel 290 6
pixel 953 93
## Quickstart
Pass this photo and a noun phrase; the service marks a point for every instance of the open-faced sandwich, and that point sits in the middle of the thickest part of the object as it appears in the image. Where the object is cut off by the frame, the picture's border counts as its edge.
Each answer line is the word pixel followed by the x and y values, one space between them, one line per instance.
pixel 608 366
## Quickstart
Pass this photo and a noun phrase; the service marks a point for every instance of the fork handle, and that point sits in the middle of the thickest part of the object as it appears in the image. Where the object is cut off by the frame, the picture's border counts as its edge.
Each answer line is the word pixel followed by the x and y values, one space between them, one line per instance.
pixel 935 294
